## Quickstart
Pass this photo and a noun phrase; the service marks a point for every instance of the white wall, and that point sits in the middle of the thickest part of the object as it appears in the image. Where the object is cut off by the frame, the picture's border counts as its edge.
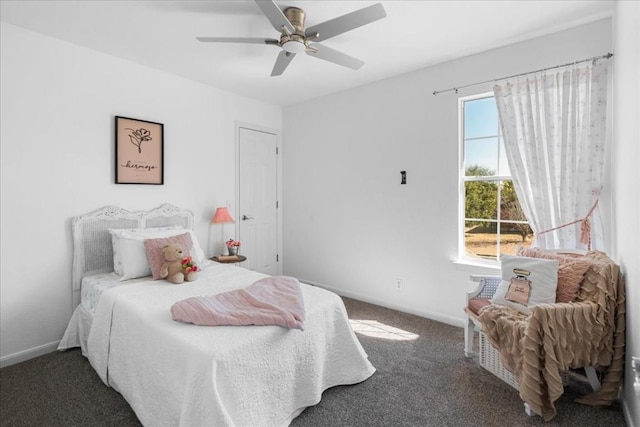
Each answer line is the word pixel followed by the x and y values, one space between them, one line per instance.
pixel 626 196
pixel 348 223
pixel 58 103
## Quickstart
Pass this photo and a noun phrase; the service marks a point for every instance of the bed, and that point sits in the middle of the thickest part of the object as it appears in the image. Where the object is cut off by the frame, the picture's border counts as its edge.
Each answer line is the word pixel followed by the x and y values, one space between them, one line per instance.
pixel 180 374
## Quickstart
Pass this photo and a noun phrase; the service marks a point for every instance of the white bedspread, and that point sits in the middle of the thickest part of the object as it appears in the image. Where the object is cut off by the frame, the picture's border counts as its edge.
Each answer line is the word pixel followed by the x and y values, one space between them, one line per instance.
pixel 176 374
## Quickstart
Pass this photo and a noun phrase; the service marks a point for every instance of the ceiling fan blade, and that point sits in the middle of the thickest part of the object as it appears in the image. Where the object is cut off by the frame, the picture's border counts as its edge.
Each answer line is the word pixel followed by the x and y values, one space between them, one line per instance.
pixel 275 15
pixel 283 60
pixel 237 40
pixel 347 22
pixel 332 55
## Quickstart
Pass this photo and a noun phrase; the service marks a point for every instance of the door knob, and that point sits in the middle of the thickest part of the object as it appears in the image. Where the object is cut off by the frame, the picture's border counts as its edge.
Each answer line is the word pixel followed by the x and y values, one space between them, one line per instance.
pixel 244 217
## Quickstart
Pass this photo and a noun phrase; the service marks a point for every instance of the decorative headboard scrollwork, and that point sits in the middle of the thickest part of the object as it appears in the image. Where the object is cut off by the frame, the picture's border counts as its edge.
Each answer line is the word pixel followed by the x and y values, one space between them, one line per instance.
pixel 92 247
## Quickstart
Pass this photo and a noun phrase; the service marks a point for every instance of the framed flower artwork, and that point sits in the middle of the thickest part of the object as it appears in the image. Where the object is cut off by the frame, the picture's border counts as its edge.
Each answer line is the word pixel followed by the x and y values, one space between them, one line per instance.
pixel 139 151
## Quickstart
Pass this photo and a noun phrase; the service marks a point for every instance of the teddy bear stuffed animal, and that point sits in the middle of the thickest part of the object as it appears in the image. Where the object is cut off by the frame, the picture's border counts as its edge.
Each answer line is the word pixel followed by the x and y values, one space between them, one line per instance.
pixel 177 268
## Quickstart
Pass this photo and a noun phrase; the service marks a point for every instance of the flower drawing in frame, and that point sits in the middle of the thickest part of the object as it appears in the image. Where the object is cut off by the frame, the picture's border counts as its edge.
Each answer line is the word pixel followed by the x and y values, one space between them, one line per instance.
pixel 139 151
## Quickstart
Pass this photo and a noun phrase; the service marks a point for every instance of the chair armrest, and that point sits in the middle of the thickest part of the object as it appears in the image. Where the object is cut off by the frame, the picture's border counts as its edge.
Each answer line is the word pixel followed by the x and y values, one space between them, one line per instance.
pixel 487 286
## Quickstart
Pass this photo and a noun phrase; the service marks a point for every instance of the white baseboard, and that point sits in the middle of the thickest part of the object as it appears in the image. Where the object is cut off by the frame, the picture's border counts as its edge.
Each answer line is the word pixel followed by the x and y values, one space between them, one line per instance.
pixel 438 317
pixel 21 356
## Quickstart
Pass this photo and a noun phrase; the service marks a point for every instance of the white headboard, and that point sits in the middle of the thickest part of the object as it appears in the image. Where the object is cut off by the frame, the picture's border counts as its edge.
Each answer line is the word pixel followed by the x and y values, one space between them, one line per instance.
pixel 92 248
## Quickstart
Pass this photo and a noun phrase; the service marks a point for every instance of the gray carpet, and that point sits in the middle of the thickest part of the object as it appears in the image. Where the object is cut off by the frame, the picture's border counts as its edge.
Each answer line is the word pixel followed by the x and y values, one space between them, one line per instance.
pixel 421 382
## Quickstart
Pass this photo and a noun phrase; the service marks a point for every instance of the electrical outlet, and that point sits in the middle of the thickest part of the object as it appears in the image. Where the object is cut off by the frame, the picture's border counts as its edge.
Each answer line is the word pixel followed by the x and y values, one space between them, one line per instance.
pixel 398 283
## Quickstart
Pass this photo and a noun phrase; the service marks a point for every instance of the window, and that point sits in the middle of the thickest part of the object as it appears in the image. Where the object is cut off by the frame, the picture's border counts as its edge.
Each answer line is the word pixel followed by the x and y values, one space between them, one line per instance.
pixel 492 221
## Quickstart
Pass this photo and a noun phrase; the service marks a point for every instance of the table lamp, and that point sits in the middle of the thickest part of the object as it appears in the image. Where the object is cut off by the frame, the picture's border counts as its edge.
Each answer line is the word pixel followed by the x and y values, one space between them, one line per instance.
pixel 223 217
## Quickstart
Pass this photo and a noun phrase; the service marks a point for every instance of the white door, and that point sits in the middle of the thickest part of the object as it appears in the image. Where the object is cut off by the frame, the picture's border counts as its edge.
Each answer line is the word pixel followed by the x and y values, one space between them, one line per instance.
pixel 258 198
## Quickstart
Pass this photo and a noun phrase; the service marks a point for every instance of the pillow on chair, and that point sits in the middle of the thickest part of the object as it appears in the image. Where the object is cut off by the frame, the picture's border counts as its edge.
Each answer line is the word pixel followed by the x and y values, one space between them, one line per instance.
pixel 526 282
pixel 571 270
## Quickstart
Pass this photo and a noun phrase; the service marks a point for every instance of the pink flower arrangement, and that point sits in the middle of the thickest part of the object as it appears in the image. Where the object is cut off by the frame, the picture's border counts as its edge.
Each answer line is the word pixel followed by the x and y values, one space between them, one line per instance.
pixel 188 265
pixel 232 242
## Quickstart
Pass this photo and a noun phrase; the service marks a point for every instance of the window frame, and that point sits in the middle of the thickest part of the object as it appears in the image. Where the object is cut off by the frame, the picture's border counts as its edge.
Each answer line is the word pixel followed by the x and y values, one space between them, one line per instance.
pixel 463 179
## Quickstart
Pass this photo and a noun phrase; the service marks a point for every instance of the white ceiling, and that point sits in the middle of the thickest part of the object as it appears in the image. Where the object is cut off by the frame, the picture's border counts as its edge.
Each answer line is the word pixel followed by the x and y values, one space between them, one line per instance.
pixel 414 35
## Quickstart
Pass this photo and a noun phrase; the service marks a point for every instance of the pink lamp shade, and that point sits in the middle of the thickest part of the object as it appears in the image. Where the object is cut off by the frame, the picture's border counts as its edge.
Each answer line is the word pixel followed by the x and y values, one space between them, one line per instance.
pixel 222 216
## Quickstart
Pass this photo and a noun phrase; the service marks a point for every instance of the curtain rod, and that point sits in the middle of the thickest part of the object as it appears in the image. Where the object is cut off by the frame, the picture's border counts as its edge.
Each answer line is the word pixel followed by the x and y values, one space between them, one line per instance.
pixel 594 59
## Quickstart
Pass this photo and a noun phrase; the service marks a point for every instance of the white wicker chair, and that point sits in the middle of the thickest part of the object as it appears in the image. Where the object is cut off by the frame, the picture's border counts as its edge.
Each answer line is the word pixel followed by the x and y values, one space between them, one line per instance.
pixel 489 357
pixel 487 286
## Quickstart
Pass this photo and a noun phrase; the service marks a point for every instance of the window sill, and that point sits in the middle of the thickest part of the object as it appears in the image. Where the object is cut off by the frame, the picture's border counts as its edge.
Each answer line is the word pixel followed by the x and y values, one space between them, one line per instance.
pixel 474 266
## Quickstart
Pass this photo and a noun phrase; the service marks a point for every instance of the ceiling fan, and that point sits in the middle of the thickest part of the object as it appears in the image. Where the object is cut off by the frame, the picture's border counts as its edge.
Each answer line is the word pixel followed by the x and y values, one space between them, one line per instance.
pixel 295 38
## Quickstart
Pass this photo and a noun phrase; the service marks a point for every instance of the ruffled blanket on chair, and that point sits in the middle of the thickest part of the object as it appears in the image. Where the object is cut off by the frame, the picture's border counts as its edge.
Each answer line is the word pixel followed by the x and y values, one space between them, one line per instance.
pixel 273 300
pixel 556 337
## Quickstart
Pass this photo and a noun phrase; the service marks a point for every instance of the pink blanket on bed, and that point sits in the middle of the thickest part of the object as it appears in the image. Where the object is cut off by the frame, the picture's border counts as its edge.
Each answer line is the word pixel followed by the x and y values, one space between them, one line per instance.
pixel 275 300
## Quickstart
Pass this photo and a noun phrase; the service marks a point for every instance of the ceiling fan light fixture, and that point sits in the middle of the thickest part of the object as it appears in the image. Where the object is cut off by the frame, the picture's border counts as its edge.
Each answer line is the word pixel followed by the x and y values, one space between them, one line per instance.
pixel 293 46
pixel 295 38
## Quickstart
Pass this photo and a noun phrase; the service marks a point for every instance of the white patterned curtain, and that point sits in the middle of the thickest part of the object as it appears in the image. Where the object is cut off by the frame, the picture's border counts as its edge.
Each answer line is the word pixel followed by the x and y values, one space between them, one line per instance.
pixel 554 129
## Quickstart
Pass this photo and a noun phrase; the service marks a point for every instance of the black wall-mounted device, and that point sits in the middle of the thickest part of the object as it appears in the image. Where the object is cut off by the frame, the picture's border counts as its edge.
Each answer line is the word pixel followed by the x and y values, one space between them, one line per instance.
pixel 403 174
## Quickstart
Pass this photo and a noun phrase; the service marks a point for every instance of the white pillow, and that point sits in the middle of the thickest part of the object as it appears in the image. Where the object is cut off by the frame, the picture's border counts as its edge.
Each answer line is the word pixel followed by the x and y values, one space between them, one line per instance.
pixel 118 236
pixel 130 256
pixel 196 251
pixel 542 275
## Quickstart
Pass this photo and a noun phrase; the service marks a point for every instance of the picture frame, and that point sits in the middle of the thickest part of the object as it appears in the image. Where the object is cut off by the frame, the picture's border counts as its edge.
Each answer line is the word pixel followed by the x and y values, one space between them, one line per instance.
pixel 139 157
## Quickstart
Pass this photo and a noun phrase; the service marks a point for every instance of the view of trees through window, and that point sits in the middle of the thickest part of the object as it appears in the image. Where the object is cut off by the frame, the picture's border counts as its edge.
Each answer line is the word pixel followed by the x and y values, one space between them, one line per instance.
pixel 494 223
